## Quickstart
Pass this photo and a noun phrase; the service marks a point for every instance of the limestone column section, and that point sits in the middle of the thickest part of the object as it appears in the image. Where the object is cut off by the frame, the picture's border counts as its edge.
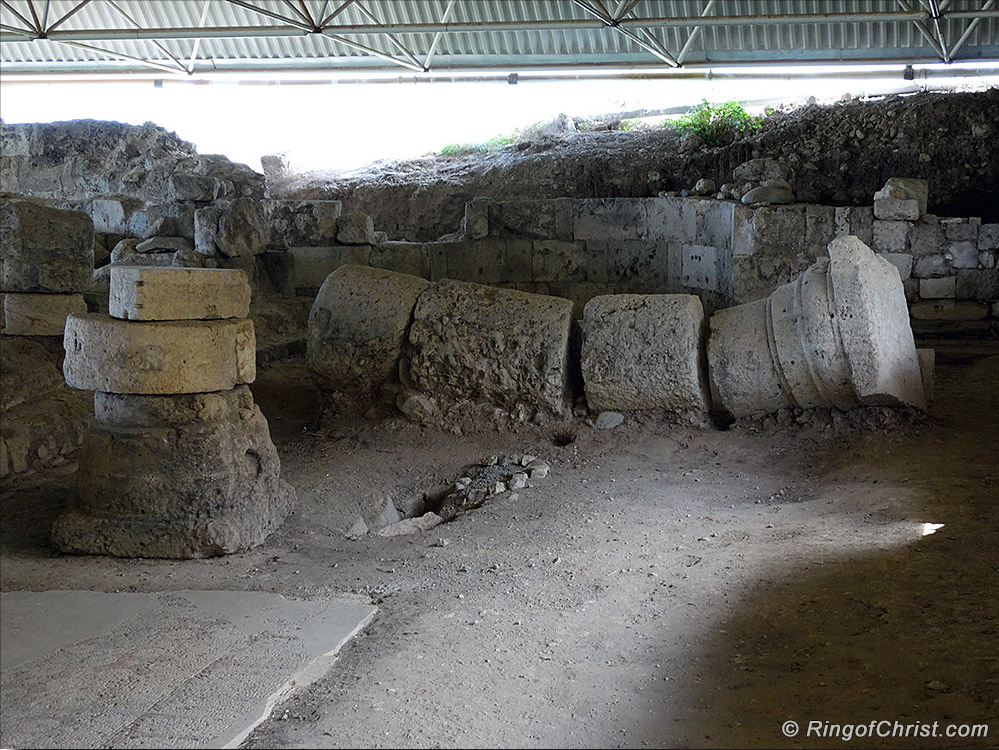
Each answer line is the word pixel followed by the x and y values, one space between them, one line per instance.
pixel 357 332
pixel 837 336
pixel 645 352
pixel 481 344
pixel 178 461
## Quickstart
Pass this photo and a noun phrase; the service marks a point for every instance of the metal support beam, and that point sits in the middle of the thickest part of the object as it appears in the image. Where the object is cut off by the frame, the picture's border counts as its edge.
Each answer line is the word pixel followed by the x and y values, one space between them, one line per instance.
pixel 694 33
pixel 45 15
pixel 298 12
pixel 395 42
pixel 197 42
pixel 654 46
pixel 21 33
pixel 438 35
pixel 25 21
pixel 921 28
pixel 270 14
pixel 123 56
pixel 968 31
pixel 935 10
pixel 34 17
pixel 297 28
pixel 335 13
pixel 79 6
pixel 624 7
pixel 371 51
pixel 159 45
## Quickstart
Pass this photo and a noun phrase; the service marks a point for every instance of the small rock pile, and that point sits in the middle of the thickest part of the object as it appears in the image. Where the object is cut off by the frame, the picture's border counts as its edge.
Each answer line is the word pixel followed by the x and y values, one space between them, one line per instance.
pixel 755 182
pixel 178 461
pixel 490 477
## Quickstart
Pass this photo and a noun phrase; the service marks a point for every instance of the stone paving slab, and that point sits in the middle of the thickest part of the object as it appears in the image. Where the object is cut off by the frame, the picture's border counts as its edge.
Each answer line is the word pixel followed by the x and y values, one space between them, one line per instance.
pixel 172 669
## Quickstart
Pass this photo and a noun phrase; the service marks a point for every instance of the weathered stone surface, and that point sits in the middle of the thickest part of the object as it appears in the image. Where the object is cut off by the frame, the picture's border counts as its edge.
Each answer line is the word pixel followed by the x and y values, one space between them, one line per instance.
pixel 166 220
pixel 931 265
pixel 644 351
pixel 126 254
pixel 949 309
pixel 978 284
pixel 144 293
pixel 313 264
pixel 355 229
pixel 869 303
pixel 768 194
pixel 497 346
pixel 44 249
pixel 901 198
pixel 963 254
pixel 39 314
pixel 837 336
pixel 610 219
pixel 758 170
pixel 891 236
pixel 988 237
pixel 164 245
pixel 113 215
pixel 236 229
pixel 700 267
pixel 193 187
pixel 896 208
pixel 938 288
pixel 358 326
pixel 160 357
pixel 901 261
pixel 307 223
pixel 858 221
pixel 927 239
pixel 29 371
pixel 962 232
pixel 176 477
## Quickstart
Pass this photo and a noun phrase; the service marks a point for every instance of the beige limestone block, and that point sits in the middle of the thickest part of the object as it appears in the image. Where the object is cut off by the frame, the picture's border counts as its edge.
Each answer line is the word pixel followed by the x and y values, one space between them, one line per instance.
pixel 159 293
pixel 158 357
pixel 39 314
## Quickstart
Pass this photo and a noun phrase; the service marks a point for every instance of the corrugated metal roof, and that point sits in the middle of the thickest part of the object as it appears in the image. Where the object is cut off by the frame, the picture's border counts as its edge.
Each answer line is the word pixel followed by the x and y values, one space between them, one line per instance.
pixel 278 35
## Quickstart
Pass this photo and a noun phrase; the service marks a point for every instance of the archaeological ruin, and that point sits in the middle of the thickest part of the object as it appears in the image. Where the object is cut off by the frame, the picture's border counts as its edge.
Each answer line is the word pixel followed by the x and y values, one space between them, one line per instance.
pixel 615 432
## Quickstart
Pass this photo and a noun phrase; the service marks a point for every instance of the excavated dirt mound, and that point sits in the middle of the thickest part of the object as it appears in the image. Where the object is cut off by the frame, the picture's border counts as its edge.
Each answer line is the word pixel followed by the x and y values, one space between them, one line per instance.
pixel 840 154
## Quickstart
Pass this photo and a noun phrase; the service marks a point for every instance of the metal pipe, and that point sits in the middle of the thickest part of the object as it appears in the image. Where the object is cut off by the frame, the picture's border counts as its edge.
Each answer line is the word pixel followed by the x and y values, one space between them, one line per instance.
pixel 694 34
pixel 197 42
pixel 334 14
pixel 438 35
pixel 936 24
pixel 395 42
pixel 70 14
pixel 24 20
pixel 967 32
pixel 296 29
pixel 122 55
pixel 606 73
pixel 269 14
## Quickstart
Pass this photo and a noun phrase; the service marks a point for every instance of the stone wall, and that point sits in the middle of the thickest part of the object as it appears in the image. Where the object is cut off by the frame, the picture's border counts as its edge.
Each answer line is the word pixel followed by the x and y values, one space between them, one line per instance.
pixel 725 252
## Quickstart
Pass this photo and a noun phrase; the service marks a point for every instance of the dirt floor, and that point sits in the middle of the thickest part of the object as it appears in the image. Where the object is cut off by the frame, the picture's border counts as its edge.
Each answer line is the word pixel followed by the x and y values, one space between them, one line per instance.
pixel 663 587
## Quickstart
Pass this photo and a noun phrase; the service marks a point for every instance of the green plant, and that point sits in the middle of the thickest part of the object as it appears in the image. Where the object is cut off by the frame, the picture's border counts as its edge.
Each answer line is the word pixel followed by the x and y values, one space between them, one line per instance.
pixel 632 123
pixel 716 124
pixel 491 144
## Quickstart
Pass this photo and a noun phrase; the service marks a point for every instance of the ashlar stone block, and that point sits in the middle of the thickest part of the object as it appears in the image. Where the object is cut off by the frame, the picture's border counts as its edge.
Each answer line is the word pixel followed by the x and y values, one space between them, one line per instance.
pixel 153 293
pixel 39 314
pixel 44 249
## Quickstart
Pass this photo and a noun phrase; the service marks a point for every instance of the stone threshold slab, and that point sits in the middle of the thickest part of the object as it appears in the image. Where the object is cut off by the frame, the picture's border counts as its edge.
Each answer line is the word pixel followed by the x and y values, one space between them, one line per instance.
pixel 181 669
